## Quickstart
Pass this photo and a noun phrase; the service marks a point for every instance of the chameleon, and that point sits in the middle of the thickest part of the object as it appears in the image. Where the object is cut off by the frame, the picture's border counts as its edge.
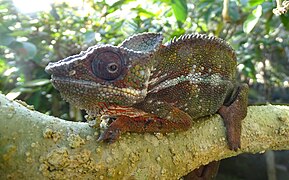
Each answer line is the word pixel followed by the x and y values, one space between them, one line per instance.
pixel 144 85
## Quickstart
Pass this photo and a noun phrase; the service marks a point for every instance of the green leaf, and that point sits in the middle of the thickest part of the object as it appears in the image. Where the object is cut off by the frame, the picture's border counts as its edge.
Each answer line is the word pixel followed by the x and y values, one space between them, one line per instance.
pixel 26 50
pixel 89 37
pixel 36 82
pixel 285 20
pixel 14 93
pixel 30 48
pixel 255 2
pixel 3 65
pixel 6 40
pixel 18 33
pixel 115 6
pixel 234 12
pixel 143 12
pixel 249 69
pixel 252 19
pixel 180 9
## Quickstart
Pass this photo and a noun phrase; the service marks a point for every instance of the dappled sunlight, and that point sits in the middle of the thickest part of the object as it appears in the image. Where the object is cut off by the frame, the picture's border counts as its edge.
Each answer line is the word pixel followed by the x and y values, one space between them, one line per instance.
pixel 30 6
pixel 34 33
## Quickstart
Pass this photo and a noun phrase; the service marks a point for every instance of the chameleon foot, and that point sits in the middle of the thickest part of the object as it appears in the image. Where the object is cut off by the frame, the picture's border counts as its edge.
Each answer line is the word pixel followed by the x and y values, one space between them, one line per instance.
pixel 114 130
pixel 233 115
pixel 110 135
pixel 207 172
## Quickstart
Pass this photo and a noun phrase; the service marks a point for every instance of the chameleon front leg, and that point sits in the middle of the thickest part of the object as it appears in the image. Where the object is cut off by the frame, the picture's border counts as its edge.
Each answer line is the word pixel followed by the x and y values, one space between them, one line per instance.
pixel 158 117
pixel 233 114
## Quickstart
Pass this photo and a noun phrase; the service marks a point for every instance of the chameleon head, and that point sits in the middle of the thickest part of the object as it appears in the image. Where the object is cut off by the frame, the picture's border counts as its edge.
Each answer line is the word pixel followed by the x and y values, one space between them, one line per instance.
pixel 114 75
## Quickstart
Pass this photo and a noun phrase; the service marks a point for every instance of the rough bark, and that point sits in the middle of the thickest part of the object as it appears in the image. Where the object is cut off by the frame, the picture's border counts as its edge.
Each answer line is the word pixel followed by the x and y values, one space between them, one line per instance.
pixel 37 146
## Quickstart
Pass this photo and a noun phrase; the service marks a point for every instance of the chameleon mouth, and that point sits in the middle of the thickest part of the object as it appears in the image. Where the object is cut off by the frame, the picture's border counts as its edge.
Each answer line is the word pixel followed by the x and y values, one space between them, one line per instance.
pixel 102 89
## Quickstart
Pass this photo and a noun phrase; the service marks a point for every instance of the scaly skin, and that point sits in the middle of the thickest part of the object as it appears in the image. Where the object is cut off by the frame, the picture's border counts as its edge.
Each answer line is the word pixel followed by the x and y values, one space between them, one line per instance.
pixel 146 86
pixel 150 87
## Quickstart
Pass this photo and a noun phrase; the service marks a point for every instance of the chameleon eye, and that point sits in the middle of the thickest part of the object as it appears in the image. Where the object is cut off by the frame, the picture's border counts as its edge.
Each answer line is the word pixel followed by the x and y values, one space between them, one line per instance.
pixel 112 67
pixel 107 65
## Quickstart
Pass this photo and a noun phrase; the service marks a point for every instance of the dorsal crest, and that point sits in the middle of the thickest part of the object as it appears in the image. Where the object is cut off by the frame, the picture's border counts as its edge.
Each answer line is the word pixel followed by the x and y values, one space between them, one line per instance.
pixel 203 40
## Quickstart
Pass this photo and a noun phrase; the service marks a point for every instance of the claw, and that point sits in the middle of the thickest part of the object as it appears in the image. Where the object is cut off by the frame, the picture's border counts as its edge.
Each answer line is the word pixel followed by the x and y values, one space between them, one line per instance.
pixel 110 135
pixel 233 114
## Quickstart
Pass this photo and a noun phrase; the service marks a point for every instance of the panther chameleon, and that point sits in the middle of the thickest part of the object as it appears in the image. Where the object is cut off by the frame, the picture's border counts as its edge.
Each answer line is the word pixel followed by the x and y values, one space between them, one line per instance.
pixel 147 86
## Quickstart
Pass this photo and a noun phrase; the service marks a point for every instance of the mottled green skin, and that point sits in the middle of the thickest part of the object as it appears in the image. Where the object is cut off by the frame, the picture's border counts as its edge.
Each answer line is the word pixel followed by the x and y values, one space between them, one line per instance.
pixel 211 66
pixel 150 87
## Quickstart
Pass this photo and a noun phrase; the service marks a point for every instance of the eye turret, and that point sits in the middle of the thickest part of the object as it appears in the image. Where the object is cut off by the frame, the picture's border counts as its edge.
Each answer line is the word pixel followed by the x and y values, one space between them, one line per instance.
pixel 107 65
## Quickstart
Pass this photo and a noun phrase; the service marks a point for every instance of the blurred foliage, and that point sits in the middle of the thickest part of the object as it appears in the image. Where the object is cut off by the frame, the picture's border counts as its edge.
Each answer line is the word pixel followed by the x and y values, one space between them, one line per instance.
pixel 29 41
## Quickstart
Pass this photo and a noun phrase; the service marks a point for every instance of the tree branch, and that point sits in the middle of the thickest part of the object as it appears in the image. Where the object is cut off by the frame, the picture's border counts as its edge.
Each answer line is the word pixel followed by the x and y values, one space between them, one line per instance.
pixel 36 145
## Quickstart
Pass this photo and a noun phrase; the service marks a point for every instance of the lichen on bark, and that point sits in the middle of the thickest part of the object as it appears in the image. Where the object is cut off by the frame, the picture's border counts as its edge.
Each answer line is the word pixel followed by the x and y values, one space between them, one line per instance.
pixel 34 145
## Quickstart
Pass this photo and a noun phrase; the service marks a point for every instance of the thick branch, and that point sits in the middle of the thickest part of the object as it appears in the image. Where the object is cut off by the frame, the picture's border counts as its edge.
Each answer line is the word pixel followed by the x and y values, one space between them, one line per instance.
pixel 36 145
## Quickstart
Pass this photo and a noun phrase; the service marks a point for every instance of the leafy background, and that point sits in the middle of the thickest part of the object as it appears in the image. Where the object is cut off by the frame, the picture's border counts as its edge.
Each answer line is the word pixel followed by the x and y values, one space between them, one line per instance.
pixel 28 41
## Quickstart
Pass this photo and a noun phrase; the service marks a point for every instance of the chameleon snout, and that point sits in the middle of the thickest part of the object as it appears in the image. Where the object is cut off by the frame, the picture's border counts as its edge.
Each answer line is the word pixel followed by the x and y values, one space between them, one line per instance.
pixel 56 69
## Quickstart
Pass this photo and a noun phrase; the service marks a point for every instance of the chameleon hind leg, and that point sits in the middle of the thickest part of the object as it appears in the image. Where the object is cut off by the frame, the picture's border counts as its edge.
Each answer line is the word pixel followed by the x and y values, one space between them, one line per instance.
pixel 233 112
pixel 156 117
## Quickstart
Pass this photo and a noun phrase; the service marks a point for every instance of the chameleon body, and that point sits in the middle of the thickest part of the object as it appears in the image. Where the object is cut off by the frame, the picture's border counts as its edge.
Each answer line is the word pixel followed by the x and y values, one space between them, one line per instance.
pixel 147 86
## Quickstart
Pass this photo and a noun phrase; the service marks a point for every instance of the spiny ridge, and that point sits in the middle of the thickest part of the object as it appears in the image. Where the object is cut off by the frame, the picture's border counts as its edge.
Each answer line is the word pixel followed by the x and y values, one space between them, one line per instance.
pixel 204 38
